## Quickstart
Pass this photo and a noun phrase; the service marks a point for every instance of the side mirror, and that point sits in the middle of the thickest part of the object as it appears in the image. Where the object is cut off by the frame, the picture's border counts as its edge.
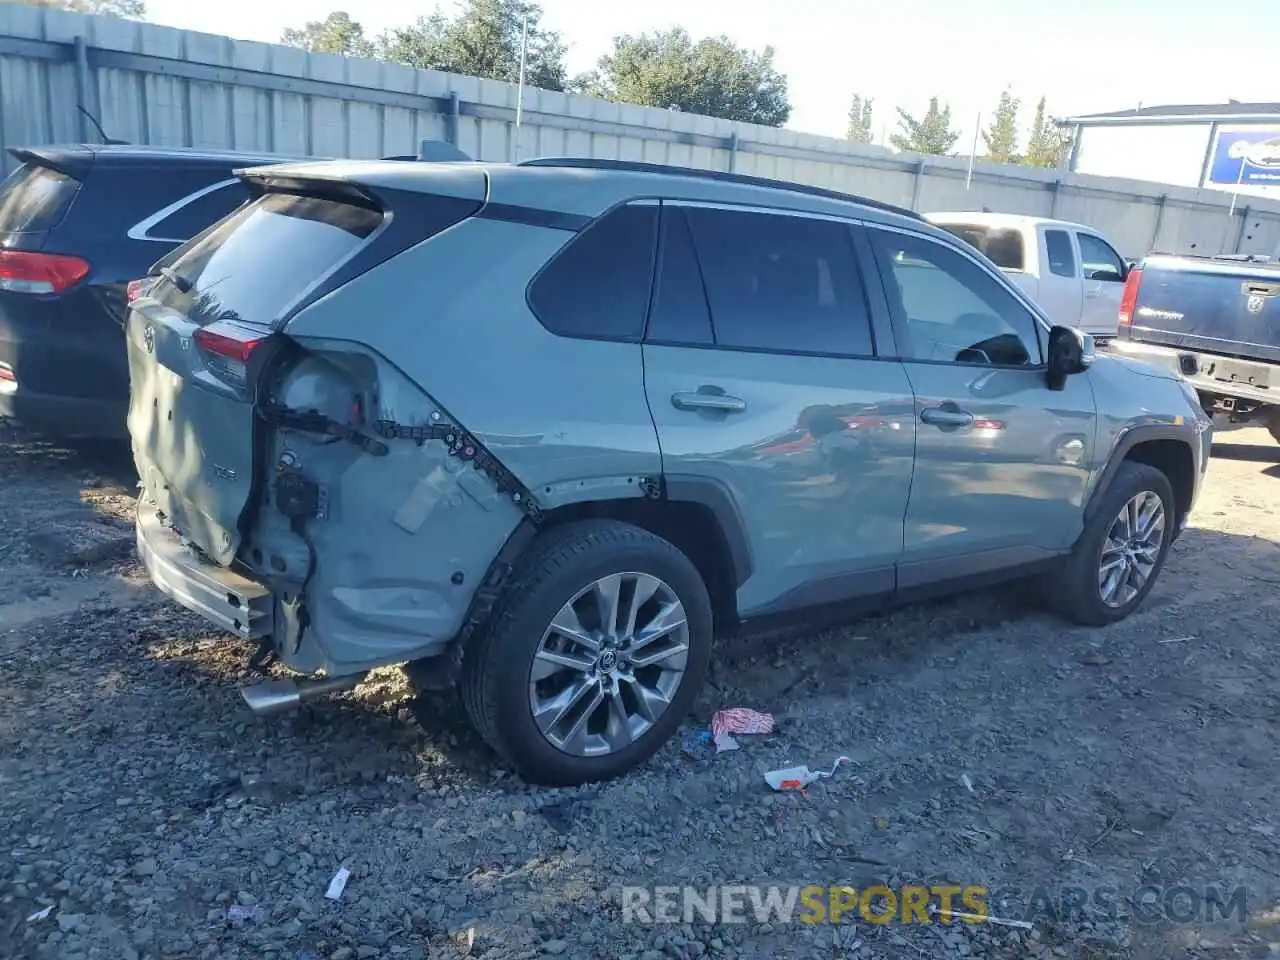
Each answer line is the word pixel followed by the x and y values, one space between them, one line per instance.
pixel 1109 275
pixel 1070 352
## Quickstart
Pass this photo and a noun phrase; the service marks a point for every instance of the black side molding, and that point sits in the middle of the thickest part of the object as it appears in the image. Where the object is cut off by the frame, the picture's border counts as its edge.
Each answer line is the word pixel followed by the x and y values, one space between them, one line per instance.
pixel 716 497
pixel 1142 433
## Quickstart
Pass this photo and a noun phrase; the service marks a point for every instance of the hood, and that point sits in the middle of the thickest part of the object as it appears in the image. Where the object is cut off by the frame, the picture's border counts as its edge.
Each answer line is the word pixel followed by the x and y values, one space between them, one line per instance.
pixel 1133 366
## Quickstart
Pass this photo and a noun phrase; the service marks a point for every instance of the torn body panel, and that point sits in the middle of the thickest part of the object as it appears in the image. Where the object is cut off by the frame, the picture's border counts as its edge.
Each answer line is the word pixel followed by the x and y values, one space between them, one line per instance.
pixel 374 554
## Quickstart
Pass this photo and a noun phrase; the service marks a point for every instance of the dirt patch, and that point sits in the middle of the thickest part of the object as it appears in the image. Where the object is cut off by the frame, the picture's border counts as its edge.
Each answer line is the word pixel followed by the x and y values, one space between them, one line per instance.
pixel 992 745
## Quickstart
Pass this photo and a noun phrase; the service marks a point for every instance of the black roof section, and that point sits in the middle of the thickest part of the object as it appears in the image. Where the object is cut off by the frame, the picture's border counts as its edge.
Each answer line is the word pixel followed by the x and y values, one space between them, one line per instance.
pixel 636 166
pixel 75 159
pixel 1233 109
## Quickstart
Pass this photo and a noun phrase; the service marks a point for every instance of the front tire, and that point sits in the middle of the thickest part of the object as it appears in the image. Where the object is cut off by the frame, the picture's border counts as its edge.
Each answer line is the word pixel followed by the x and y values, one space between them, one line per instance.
pixel 1114 564
pixel 594 654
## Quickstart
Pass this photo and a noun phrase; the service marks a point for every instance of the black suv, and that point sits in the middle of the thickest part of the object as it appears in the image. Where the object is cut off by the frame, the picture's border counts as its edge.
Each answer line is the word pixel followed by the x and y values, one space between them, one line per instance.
pixel 77 223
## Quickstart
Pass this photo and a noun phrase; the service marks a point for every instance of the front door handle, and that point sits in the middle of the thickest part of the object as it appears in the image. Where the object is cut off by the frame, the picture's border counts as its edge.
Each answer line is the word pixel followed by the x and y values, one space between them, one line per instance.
pixel 946 416
pixel 705 399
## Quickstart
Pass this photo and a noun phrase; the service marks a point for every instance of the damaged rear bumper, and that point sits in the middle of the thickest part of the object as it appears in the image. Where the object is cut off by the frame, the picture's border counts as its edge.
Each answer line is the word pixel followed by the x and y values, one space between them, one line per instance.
pixel 234 602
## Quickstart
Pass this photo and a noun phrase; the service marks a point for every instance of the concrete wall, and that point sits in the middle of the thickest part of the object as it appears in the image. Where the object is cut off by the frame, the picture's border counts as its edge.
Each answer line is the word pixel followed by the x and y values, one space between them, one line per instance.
pixel 150 84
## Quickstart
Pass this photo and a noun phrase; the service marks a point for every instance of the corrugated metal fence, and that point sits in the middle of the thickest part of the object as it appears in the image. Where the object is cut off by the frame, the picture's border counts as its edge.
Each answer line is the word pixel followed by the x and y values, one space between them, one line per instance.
pixel 156 85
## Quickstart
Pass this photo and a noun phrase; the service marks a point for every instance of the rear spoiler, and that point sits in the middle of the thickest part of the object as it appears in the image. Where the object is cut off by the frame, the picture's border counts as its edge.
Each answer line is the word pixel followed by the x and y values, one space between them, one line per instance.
pixel 71 161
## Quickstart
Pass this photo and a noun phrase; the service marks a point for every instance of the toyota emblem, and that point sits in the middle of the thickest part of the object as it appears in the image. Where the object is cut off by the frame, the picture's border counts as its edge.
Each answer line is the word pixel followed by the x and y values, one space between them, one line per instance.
pixel 1255 304
pixel 149 339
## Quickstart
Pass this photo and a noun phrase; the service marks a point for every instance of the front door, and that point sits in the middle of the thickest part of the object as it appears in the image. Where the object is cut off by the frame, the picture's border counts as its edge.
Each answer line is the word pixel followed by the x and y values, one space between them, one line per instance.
pixel 1002 462
pixel 762 378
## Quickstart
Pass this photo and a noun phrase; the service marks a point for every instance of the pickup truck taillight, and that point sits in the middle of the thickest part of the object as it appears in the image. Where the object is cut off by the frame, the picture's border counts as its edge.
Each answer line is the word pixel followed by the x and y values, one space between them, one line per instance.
pixel 1129 299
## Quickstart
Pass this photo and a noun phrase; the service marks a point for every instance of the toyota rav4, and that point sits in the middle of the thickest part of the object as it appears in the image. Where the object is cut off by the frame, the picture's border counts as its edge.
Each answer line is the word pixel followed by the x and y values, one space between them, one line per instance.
pixel 545 430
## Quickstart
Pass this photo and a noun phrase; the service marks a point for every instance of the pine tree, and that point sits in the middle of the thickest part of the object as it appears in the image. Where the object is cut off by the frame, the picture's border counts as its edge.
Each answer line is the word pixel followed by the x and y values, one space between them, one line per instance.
pixel 1047 145
pixel 1001 137
pixel 860 120
pixel 931 134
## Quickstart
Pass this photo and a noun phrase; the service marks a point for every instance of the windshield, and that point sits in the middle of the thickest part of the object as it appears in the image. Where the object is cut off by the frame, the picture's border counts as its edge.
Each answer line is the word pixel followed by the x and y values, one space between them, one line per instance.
pixel 263 257
pixel 1003 246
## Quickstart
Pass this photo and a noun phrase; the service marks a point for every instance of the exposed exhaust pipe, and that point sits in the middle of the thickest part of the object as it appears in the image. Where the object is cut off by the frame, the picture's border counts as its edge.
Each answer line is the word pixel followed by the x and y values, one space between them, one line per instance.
pixel 277 696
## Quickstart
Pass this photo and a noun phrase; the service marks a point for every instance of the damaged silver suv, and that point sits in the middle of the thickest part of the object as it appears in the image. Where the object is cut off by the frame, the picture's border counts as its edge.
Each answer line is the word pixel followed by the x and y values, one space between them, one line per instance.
pixel 544 430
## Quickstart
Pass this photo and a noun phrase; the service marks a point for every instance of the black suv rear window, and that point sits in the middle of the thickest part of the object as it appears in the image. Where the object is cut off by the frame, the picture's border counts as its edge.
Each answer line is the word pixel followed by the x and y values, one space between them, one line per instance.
pixel 257 262
pixel 34 198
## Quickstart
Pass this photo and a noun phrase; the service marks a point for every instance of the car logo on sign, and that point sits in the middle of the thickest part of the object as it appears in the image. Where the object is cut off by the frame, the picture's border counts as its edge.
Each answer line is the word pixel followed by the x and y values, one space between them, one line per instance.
pixel 1255 304
pixel 149 339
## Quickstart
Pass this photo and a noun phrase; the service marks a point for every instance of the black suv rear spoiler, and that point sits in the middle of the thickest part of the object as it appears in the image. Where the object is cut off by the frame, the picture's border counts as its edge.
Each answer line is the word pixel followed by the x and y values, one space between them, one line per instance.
pixel 72 161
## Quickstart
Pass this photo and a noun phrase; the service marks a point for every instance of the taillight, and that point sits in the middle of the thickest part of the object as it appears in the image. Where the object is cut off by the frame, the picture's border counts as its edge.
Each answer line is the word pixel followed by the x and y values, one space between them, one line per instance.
pixel 1129 298
pixel 25 272
pixel 227 345
pixel 137 289
pixel 227 351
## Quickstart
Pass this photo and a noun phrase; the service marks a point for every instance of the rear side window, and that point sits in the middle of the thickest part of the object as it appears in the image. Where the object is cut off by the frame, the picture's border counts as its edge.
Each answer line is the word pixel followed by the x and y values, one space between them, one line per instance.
pixel 1001 245
pixel 203 210
pixel 1062 258
pixel 34 198
pixel 598 286
pixel 259 261
pixel 781 283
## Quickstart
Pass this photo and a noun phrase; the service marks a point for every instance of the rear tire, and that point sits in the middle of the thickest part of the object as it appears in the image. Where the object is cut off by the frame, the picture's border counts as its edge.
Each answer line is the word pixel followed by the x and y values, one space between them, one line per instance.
pixel 578 702
pixel 1273 424
pixel 1117 559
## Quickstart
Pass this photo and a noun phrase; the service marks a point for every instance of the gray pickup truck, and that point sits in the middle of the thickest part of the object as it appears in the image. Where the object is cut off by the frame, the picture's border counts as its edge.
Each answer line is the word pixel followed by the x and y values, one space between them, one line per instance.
pixel 1216 321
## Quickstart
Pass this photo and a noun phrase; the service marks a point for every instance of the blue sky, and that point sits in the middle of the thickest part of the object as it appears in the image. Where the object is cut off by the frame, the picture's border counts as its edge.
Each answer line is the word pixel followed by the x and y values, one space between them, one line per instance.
pixel 1084 55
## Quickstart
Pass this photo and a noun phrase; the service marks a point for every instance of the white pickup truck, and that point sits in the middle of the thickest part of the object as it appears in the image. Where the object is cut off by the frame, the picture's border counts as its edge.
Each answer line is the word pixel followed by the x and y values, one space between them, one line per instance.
pixel 1074 274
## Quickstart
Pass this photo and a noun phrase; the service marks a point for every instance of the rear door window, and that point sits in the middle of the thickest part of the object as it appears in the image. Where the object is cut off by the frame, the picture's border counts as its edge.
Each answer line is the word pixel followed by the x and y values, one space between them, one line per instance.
pixel 781 283
pixel 259 261
pixel 1061 254
pixel 35 198
pixel 680 313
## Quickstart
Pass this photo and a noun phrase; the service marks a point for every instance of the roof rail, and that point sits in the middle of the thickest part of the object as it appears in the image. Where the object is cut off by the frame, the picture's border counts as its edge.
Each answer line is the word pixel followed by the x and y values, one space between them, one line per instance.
pixel 637 166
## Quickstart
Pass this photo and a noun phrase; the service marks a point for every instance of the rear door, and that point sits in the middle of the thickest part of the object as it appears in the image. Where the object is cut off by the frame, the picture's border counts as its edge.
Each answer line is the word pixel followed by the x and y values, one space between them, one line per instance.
pixel 1061 289
pixel 763 381
pixel 198 338
pixel 1103 271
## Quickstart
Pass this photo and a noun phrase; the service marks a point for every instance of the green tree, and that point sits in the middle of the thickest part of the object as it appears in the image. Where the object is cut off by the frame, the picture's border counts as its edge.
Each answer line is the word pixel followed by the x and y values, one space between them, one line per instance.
pixel 713 77
pixel 860 120
pixel 1049 144
pixel 1001 137
pixel 483 40
pixel 128 9
pixel 930 134
pixel 336 33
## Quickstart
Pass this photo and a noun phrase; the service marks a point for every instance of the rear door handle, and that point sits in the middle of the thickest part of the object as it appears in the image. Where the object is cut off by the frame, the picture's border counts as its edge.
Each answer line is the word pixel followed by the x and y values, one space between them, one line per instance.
pixel 945 416
pixel 704 399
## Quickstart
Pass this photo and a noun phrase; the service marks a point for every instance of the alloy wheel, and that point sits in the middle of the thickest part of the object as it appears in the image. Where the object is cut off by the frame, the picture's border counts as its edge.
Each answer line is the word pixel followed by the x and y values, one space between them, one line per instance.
pixel 609 664
pixel 1131 549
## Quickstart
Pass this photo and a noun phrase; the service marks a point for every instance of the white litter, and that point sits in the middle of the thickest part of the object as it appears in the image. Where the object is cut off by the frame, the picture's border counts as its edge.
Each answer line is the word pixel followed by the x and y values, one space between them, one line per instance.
pixel 983 918
pixel 40 914
pixel 797 778
pixel 964 778
pixel 725 742
pixel 337 884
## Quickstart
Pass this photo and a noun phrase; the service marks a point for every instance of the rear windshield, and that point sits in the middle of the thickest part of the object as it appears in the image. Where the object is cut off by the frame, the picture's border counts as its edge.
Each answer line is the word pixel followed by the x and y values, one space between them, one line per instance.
pixel 257 262
pixel 35 198
pixel 1001 245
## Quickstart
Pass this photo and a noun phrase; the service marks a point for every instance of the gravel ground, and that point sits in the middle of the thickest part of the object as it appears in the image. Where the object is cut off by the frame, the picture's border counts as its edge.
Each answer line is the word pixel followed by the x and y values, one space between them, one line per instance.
pixel 991 745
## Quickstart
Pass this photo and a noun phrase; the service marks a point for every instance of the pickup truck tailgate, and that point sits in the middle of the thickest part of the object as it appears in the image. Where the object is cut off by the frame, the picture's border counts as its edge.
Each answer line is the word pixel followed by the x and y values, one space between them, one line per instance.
pixel 1222 306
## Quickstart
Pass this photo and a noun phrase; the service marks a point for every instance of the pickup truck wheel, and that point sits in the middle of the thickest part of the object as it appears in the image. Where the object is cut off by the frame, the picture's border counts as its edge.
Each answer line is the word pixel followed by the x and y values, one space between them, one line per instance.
pixel 1123 547
pixel 593 656
pixel 1273 424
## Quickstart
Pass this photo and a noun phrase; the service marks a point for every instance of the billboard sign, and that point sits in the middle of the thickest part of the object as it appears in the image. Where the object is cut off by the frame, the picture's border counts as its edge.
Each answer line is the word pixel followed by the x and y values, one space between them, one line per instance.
pixel 1245 156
